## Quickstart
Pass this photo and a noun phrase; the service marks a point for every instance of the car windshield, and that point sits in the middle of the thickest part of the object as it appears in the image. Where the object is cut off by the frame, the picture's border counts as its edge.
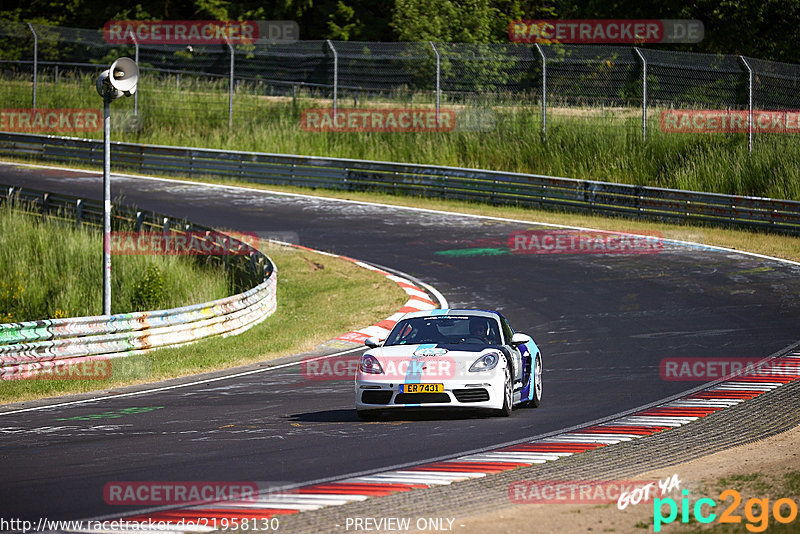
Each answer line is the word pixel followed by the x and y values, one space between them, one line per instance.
pixel 445 329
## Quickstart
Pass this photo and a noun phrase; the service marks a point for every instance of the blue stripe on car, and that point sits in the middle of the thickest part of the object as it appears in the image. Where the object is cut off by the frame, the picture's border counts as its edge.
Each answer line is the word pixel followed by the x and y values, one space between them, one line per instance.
pixel 414 372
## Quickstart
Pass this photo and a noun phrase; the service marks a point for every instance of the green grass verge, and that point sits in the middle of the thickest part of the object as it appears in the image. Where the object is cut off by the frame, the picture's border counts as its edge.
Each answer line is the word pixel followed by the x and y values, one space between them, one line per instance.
pixel 54 269
pixel 584 143
pixel 319 298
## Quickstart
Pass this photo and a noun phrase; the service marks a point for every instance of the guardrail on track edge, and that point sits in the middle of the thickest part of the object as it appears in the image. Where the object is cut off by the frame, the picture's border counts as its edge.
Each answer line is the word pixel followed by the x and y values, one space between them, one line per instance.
pixel 32 347
pixel 495 187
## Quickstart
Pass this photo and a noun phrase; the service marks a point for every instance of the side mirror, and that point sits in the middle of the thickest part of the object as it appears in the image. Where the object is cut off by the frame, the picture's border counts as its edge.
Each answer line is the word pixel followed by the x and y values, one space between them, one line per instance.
pixel 372 342
pixel 519 339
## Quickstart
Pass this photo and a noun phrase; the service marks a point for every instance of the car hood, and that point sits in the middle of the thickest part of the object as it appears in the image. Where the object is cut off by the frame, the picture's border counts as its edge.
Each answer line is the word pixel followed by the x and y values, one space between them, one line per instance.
pixel 472 350
pixel 429 362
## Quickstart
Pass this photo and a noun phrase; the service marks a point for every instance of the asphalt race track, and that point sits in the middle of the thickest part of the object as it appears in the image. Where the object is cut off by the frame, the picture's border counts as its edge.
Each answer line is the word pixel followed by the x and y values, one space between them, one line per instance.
pixel 603 321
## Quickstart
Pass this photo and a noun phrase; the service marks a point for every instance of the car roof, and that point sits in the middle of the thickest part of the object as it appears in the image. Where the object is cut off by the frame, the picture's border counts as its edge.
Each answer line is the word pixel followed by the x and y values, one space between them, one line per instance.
pixel 452 312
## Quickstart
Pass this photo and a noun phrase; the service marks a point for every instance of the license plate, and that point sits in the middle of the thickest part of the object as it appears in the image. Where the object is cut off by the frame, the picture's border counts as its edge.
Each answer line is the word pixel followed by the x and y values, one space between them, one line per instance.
pixel 421 388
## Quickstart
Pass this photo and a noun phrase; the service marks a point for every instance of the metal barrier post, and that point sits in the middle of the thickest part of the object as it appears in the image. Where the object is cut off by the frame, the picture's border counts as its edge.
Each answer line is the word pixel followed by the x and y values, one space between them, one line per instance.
pixel 749 103
pixel 438 80
pixel 35 61
pixel 230 85
pixel 644 93
pixel 544 90
pixel 335 78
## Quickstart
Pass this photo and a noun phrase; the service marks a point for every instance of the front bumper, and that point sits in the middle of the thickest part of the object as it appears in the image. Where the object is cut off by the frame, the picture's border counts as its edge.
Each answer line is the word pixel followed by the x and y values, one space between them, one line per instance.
pixel 484 392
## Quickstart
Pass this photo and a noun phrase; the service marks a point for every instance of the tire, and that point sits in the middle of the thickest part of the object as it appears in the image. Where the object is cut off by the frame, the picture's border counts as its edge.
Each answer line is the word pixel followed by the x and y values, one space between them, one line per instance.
pixel 369 415
pixel 508 395
pixel 536 383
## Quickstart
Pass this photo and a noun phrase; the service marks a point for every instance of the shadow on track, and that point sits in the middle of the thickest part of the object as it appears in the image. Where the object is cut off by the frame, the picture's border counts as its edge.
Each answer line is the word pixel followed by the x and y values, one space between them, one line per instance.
pixel 406 415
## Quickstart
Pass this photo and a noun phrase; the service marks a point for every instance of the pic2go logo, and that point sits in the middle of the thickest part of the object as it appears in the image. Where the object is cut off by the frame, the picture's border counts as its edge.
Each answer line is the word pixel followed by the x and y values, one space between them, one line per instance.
pixel 756 511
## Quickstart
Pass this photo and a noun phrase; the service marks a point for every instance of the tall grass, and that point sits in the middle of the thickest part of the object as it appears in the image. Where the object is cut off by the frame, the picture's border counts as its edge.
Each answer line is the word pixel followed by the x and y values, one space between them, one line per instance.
pixel 54 269
pixel 585 143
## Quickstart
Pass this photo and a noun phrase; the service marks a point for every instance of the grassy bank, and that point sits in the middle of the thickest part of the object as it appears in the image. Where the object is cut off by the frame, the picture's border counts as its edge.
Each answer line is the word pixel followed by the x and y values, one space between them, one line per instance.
pixel 319 298
pixel 51 269
pixel 586 143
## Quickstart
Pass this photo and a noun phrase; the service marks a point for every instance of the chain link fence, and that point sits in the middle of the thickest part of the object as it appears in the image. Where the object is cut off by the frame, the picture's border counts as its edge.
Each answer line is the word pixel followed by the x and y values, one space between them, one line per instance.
pixel 604 85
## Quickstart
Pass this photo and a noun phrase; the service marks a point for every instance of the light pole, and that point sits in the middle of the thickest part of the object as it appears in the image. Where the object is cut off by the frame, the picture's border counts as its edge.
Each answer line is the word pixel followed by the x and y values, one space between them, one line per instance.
pixel 120 79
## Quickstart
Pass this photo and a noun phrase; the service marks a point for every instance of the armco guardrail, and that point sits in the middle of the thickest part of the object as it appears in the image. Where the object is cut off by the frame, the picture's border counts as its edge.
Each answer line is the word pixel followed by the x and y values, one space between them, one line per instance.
pixel 444 182
pixel 28 348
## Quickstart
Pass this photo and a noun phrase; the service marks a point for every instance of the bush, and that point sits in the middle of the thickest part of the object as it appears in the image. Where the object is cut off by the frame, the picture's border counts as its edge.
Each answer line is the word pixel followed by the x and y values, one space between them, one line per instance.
pixel 149 292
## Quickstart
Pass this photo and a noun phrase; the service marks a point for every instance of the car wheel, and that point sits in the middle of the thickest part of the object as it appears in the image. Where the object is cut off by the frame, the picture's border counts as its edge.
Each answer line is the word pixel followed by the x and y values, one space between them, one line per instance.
pixel 536 379
pixel 369 415
pixel 508 394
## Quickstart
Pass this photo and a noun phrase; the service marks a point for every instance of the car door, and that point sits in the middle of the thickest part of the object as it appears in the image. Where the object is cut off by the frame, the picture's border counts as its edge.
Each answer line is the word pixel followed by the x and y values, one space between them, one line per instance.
pixel 514 352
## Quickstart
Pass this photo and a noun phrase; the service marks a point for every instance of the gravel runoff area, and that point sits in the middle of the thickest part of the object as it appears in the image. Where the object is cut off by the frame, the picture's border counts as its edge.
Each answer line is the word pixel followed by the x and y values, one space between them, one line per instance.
pixel 483 504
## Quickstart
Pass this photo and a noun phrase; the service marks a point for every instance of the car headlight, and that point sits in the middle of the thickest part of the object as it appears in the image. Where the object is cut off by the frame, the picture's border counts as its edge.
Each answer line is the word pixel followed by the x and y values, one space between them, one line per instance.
pixel 371 365
pixel 487 362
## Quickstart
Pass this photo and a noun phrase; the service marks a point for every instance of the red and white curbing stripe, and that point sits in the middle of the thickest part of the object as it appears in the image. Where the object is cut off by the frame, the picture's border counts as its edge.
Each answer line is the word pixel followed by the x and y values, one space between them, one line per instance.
pixel 418 300
pixel 675 413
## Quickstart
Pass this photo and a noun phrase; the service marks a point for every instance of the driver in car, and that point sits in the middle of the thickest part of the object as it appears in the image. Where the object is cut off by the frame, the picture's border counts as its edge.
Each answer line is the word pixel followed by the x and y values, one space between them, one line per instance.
pixel 479 330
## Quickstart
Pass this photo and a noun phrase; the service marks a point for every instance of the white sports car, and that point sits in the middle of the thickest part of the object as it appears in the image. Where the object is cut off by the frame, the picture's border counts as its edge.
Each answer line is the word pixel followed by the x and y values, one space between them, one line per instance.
pixel 449 359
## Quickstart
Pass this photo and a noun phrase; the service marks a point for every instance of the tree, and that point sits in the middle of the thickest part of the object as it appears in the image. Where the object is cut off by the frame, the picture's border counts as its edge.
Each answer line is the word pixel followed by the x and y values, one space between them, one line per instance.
pixel 469 21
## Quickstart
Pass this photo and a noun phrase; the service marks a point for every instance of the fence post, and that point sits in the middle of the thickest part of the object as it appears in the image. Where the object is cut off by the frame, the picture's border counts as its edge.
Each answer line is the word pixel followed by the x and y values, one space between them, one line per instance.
pixel 644 92
pixel 136 60
pixel 230 85
pixel 544 90
pixel 749 103
pixel 335 77
pixel 438 80
pixel 35 61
